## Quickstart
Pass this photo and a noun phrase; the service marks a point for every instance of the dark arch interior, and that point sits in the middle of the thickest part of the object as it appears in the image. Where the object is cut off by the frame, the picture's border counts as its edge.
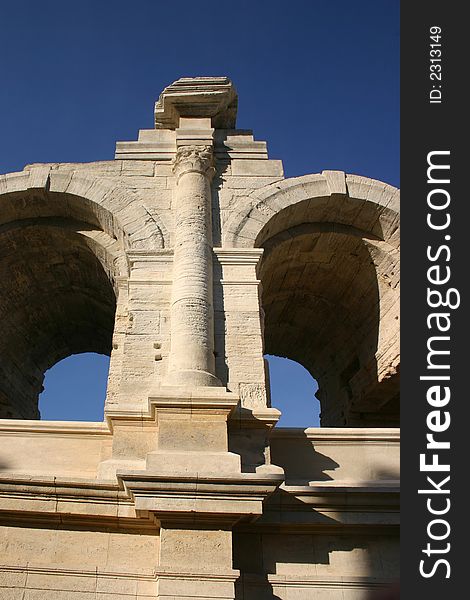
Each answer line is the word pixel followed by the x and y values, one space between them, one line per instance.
pixel 321 299
pixel 57 299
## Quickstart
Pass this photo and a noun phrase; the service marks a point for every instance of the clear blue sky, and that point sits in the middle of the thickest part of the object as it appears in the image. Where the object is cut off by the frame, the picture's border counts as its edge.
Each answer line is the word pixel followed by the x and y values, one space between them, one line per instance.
pixel 319 80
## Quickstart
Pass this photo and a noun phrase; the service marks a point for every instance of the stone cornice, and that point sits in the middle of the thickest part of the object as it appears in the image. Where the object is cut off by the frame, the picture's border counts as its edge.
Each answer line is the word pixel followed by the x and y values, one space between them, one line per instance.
pixel 202 97
pixel 141 497
pixel 334 504
pixel 238 256
pixel 321 582
pixel 212 497
pixel 72 428
pixel 340 435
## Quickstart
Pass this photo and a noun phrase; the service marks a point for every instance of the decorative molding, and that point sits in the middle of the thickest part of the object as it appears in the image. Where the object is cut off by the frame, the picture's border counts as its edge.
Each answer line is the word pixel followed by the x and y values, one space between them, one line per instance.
pixel 72 428
pixel 312 581
pixel 97 572
pixel 255 282
pixel 149 281
pixel 238 256
pixel 162 255
pixel 213 497
pixel 341 435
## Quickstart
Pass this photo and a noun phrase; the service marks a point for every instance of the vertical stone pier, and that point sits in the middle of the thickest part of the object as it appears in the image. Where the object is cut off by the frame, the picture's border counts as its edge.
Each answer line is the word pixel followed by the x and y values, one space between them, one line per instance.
pixel 189 479
pixel 193 485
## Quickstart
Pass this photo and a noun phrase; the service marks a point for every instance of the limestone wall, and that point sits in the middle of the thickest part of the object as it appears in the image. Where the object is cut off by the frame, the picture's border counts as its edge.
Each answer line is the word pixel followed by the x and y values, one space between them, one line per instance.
pixel 331 528
pixel 329 278
pixel 186 259
pixel 78 564
pixel 302 565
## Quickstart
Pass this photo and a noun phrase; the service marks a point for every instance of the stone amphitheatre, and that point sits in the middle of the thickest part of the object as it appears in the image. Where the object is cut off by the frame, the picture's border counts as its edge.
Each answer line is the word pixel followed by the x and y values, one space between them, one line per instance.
pixel 186 259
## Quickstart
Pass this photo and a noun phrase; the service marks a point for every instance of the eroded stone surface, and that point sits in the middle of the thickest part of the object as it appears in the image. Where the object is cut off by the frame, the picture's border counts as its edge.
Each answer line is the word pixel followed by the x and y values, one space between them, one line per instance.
pixel 186 258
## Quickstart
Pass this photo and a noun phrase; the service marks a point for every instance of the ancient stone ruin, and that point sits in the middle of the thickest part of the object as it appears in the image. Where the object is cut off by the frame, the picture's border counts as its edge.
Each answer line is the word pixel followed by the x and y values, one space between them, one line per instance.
pixel 187 258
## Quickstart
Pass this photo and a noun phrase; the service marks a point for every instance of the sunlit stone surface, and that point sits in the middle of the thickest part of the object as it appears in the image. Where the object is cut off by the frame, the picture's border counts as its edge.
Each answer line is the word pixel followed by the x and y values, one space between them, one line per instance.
pixel 187 258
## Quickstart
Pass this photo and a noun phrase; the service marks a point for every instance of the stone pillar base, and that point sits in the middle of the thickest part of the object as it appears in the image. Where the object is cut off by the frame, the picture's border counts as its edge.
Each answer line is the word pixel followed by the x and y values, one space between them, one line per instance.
pixel 192 378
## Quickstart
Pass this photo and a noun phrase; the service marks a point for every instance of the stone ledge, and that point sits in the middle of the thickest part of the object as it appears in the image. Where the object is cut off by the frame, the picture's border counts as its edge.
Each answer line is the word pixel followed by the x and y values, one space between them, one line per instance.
pixel 337 435
pixel 14 426
pixel 322 582
pixel 203 496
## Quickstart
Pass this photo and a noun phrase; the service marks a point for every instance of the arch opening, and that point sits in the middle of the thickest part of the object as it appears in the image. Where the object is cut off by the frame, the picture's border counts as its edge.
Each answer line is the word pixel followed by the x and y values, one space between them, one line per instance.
pixel 330 304
pixel 74 389
pixel 58 299
pixel 292 391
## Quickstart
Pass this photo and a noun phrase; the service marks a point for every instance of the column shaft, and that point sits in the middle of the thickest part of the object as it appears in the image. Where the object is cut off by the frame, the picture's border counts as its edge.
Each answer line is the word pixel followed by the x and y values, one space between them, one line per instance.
pixel 191 359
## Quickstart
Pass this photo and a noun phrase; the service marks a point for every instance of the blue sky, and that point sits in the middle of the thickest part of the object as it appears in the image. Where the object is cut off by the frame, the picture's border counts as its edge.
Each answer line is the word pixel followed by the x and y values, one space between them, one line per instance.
pixel 319 80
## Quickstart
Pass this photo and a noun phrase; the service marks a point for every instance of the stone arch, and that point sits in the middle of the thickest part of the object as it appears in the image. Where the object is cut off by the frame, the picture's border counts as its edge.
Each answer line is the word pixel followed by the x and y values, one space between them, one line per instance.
pixel 61 256
pixel 115 209
pixel 330 287
pixel 330 196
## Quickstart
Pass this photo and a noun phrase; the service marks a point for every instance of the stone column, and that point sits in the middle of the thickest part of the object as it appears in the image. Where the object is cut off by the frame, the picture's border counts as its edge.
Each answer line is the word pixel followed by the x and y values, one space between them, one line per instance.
pixel 191 360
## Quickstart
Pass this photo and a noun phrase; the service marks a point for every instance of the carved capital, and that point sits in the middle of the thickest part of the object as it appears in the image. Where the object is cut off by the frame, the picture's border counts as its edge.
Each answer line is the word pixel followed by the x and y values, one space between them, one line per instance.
pixel 196 159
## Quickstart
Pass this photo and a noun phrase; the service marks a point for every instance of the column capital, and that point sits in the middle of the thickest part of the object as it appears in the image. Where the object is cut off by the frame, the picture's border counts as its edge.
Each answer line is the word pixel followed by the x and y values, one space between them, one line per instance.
pixel 195 159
